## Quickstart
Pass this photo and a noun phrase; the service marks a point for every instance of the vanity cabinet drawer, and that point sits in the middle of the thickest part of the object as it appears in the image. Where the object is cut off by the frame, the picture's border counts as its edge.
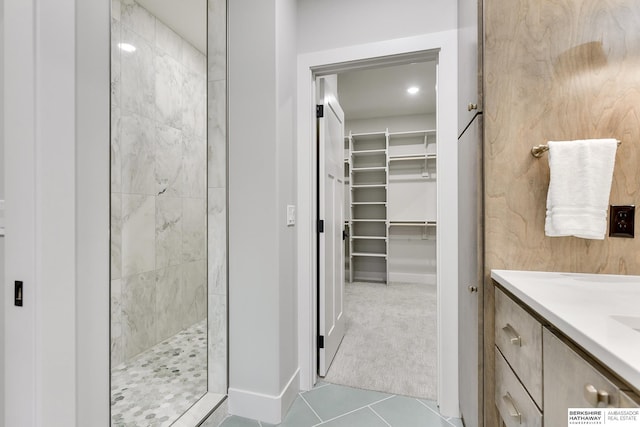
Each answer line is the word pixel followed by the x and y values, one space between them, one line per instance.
pixel 514 404
pixel 571 382
pixel 519 337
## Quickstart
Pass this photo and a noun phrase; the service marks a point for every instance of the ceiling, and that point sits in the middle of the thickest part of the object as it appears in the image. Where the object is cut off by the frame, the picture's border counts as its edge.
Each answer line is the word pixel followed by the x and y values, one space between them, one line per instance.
pixel 382 92
pixel 188 18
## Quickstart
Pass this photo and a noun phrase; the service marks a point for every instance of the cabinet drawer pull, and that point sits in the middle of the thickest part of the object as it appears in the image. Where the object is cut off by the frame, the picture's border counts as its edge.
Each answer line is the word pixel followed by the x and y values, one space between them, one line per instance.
pixel 514 337
pixel 513 411
pixel 595 396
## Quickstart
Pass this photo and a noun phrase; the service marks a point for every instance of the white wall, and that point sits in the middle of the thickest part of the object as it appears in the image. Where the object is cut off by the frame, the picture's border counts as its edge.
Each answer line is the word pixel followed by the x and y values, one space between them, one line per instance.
pixel 19 218
pixel 286 57
pixel 262 290
pixel 2 279
pixel 329 24
pixel 92 165
pixel 252 211
pixel 56 135
pixel 394 124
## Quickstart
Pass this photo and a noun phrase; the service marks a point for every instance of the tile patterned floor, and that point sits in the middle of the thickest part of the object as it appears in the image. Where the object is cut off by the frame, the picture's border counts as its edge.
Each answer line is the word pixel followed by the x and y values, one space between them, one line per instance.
pixel 330 405
pixel 157 386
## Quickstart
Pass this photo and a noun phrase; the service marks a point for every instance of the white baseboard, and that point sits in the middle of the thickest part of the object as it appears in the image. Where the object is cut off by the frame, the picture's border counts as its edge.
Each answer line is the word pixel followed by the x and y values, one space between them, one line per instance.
pixel 427 279
pixel 368 276
pixel 264 407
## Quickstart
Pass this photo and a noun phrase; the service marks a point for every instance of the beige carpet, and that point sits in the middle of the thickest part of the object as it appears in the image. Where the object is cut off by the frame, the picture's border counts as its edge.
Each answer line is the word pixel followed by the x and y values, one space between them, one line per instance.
pixel 390 339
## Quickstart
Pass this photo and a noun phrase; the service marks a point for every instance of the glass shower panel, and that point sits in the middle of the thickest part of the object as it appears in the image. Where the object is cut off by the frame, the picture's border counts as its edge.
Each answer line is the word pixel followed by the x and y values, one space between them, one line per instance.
pixel 159 291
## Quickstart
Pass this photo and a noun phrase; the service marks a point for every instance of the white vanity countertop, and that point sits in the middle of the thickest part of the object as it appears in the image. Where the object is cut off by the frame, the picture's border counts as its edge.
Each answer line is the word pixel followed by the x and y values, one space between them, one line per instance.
pixel 584 307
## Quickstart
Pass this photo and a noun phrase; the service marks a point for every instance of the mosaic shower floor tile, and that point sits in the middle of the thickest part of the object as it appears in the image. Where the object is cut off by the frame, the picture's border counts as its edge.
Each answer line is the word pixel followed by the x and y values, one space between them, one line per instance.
pixel 154 388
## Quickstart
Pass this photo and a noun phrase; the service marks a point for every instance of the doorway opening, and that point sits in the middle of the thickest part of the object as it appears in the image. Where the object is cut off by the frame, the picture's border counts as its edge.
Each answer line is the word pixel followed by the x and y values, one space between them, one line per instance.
pixel 437 46
pixel 389 301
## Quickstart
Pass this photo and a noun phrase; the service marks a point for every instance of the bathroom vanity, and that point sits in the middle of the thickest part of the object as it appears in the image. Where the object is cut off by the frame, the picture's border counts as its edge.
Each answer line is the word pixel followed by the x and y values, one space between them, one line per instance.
pixel 564 340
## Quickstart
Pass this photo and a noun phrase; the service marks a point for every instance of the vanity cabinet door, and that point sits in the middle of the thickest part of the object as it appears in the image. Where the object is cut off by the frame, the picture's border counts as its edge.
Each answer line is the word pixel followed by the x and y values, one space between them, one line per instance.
pixel 571 382
pixel 519 337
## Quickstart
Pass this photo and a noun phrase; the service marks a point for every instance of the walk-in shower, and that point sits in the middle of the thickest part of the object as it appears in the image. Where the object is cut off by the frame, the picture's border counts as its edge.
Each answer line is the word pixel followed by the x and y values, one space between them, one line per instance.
pixel 168 208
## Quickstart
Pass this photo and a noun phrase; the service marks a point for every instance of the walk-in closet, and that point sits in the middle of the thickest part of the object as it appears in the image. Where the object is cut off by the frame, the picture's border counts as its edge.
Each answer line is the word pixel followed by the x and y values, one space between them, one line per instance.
pixel 390 175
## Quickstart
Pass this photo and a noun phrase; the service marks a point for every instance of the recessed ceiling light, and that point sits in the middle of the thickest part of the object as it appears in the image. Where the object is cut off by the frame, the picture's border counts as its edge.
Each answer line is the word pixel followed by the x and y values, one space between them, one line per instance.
pixel 127 47
pixel 413 90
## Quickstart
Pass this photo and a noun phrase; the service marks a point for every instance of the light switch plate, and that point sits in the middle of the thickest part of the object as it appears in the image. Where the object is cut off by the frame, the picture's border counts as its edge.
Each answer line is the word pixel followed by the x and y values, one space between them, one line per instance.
pixel 291 215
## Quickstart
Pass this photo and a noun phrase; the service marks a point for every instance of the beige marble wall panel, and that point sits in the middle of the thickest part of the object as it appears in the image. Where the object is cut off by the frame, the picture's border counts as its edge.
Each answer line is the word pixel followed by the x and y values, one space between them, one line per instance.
pixel 217 196
pixel 116 154
pixel 117 351
pixel 170 295
pixel 217 40
pixel 217 128
pixel 138 313
pixel 116 236
pixel 217 344
pixel 217 241
pixel 560 70
pixel 115 62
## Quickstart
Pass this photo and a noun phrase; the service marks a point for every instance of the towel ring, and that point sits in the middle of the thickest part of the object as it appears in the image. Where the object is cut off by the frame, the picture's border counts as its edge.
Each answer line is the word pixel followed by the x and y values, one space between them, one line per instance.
pixel 538 150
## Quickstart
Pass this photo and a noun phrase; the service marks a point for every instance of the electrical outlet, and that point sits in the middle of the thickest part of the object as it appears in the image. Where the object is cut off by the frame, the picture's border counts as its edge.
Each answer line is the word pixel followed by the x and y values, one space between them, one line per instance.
pixel 621 221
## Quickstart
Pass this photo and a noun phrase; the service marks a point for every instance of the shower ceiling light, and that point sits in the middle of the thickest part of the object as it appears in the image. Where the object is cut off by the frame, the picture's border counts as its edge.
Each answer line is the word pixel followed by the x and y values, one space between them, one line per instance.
pixel 127 47
pixel 413 90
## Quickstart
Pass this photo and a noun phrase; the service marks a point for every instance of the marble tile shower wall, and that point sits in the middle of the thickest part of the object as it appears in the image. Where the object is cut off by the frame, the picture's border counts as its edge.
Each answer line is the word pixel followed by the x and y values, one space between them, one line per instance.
pixel 217 194
pixel 158 182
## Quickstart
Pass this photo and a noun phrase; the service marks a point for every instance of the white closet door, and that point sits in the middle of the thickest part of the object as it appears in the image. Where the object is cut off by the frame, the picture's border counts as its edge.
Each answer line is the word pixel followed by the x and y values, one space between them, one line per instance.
pixel 331 212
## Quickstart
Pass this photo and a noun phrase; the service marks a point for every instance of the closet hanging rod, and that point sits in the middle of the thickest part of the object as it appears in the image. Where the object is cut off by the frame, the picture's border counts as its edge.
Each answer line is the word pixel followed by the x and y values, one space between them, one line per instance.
pixel 538 150
pixel 413 223
pixel 413 157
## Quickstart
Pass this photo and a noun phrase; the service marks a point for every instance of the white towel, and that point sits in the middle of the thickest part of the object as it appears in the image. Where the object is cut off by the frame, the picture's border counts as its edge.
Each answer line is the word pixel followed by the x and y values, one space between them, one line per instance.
pixel 579 187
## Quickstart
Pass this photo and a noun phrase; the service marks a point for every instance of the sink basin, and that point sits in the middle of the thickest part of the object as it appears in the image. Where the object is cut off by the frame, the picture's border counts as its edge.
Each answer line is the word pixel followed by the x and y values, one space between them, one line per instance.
pixel 632 322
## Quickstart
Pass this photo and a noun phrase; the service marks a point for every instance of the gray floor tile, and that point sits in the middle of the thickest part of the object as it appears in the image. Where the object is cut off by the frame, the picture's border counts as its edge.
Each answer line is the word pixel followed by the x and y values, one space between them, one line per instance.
pixel 361 418
pixel 300 415
pixel 234 421
pixel 363 408
pixel 333 400
pixel 400 411
pixel 431 404
pixel 457 422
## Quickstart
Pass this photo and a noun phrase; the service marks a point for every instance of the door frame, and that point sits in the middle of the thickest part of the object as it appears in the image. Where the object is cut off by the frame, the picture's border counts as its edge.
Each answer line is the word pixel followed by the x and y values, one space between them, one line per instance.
pixel 314 64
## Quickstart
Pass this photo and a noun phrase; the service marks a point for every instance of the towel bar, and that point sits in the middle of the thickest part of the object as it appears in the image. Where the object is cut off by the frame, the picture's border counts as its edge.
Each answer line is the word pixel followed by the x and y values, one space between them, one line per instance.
pixel 538 150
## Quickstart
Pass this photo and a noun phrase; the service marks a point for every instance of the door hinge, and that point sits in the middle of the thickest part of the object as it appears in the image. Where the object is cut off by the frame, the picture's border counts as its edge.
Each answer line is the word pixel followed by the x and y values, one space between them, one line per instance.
pixel 345 234
pixel 321 226
pixel 17 296
pixel 319 111
pixel 321 341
